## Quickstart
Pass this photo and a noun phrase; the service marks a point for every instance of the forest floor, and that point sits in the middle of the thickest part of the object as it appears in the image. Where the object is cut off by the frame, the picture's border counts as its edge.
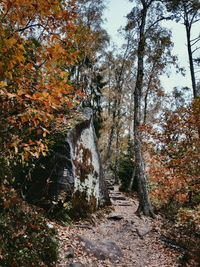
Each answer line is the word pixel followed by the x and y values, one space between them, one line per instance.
pixel 116 239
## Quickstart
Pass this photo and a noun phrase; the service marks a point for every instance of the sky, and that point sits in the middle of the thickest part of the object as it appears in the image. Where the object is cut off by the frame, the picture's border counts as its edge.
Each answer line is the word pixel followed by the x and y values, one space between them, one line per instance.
pixel 115 16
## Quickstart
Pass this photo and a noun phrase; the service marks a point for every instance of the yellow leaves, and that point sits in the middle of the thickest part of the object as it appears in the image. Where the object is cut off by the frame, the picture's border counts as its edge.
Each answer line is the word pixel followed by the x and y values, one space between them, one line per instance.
pixel 10 42
pixel 21 92
pixel 20 58
pixel 3 84
pixel 45 131
pixel 8 75
pixel 45 95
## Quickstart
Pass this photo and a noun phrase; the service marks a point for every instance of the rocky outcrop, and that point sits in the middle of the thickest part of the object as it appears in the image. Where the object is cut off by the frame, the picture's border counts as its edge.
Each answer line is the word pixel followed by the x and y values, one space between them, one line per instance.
pixel 73 173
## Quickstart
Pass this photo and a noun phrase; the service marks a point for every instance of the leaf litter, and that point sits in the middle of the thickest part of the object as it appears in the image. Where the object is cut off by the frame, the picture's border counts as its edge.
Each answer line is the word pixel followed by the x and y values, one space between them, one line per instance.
pixel 124 241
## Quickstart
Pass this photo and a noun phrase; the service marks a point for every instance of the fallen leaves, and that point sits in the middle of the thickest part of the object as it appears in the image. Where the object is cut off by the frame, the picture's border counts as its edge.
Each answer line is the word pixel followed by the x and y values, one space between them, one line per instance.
pixel 146 251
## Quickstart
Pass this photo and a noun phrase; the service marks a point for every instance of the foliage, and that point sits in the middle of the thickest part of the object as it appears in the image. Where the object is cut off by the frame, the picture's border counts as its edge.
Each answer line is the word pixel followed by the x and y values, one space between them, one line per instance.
pixel 124 172
pixel 37 44
pixel 86 73
pixel 125 168
pixel 174 170
pixel 26 238
pixel 175 166
pixel 190 217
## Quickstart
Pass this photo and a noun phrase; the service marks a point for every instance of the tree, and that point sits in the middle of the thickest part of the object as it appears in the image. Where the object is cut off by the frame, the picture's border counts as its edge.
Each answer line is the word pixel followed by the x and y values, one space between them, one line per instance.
pixel 174 170
pixel 37 42
pixel 145 19
pixel 87 72
pixel 116 98
pixel 189 13
pixel 144 202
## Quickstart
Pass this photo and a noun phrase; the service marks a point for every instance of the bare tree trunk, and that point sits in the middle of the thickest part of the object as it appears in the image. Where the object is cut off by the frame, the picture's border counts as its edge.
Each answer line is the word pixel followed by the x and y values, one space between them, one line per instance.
pixel 112 130
pixel 117 148
pixel 189 48
pixel 132 180
pixel 144 201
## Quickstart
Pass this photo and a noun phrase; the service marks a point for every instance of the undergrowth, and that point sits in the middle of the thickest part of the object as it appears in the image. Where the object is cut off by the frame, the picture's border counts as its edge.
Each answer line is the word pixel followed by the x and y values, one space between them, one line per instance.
pixel 26 239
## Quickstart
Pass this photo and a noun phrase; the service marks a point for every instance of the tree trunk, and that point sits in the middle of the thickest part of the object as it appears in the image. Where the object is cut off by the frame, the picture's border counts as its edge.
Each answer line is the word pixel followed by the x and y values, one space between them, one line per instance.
pixel 110 138
pixel 189 48
pixel 117 153
pixel 132 180
pixel 144 201
pixel 147 94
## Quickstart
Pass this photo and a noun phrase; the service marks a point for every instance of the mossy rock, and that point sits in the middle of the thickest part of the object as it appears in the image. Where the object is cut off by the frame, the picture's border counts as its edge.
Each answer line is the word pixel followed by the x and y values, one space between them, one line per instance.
pixel 82 207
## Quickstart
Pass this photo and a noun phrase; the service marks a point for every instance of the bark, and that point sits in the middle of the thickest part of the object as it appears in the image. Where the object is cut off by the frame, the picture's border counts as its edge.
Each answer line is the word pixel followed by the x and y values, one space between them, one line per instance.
pixel 144 201
pixel 117 152
pixel 112 130
pixel 132 180
pixel 147 94
pixel 189 48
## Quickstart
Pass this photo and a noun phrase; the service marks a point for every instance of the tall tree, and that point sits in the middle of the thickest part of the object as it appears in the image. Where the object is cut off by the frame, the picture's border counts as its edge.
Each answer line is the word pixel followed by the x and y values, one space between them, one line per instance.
pixel 144 201
pixel 145 18
pixel 93 39
pixel 189 13
pixel 115 105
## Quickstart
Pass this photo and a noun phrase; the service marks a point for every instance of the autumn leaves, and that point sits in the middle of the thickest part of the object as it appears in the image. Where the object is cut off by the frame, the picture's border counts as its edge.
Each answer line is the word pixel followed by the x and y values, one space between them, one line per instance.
pixel 37 46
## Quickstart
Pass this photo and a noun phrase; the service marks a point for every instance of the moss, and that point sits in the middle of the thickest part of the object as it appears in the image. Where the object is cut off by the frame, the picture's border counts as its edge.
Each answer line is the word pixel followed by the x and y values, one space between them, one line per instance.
pixel 84 166
pixel 82 207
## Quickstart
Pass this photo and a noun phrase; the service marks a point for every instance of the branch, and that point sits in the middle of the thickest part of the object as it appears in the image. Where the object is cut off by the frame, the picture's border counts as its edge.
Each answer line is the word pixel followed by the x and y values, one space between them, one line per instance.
pixel 27 27
pixel 192 19
pixel 195 50
pixel 158 20
pixel 197 40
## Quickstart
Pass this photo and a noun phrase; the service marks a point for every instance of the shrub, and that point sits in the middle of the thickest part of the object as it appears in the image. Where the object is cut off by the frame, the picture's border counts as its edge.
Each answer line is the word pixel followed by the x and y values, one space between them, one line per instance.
pixel 26 239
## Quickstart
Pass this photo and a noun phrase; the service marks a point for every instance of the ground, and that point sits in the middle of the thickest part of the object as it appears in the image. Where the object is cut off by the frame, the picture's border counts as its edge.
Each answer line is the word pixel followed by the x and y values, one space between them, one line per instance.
pixel 117 239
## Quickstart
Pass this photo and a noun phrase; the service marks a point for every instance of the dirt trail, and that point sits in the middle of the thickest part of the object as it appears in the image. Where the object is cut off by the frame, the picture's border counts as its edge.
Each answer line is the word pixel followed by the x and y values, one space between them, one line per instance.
pixel 119 238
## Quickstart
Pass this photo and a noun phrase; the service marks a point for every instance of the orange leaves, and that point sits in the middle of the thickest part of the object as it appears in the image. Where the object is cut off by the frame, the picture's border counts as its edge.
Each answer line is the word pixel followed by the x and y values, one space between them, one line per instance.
pixel 6 203
pixel 174 169
pixel 37 46
pixel 10 42
pixel 34 226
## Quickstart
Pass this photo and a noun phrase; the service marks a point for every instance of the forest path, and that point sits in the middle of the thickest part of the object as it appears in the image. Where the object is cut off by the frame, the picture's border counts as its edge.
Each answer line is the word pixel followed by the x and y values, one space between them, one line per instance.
pixel 117 239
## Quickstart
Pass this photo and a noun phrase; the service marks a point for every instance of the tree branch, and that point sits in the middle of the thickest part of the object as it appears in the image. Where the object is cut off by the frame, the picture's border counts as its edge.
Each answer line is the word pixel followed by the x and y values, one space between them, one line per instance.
pixel 197 40
pixel 158 20
pixel 195 50
pixel 27 27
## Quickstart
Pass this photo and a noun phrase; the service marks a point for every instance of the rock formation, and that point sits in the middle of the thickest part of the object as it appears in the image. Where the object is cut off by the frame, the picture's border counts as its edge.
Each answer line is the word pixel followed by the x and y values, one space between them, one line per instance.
pixel 73 173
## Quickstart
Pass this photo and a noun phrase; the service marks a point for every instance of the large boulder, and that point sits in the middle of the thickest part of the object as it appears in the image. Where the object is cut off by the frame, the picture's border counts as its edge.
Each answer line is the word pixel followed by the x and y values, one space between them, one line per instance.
pixel 73 173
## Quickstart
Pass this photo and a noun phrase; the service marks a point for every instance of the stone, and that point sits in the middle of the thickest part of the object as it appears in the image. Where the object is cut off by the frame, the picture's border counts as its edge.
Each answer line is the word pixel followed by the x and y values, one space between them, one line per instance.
pixel 110 187
pixel 73 172
pixel 115 218
pixel 76 264
pixel 124 204
pixel 142 231
pixel 102 249
pixel 89 184
pixel 86 226
pixel 70 253
pixel 118 198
